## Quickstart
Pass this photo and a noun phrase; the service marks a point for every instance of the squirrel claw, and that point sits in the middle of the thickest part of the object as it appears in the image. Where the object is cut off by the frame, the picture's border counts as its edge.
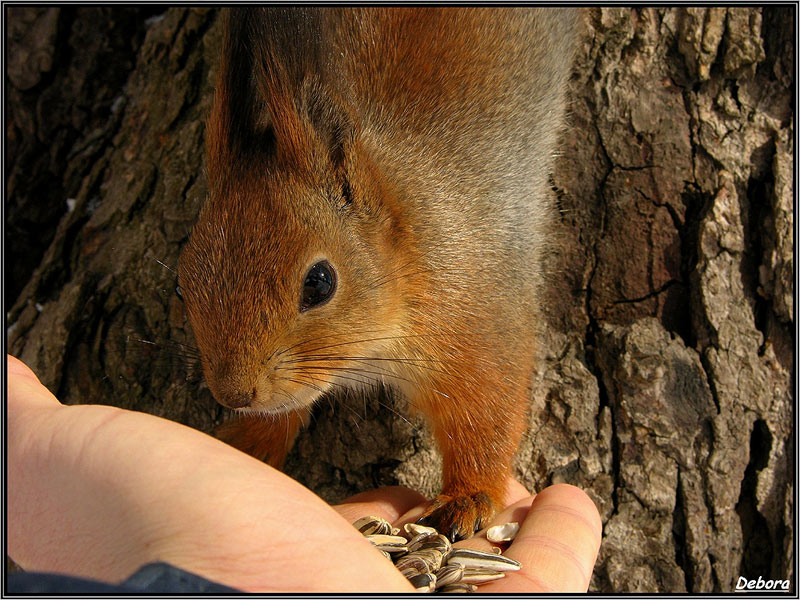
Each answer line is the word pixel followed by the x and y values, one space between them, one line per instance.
pixel 459 516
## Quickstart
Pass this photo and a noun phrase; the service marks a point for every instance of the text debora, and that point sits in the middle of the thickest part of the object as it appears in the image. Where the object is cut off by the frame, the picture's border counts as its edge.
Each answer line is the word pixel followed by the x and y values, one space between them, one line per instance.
pixel 762 584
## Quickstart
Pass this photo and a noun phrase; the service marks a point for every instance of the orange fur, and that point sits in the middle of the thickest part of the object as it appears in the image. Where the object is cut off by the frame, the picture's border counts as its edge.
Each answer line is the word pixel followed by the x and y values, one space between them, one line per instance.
pixel 409 148
pixel 268 440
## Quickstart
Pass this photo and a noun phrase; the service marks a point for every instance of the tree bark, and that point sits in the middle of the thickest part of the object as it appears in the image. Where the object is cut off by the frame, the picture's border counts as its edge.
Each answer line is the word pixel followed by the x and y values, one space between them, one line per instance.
pixel 666 391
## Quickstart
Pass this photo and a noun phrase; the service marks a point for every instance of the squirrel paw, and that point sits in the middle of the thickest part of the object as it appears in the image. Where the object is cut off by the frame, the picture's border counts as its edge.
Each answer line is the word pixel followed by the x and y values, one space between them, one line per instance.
pixel 235 433
pixel 267 440
pixel 458 517
pixel 254 437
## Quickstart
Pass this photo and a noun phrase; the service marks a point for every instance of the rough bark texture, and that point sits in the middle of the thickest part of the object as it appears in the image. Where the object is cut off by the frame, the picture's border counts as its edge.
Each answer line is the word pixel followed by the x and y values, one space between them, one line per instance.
pixel 666 391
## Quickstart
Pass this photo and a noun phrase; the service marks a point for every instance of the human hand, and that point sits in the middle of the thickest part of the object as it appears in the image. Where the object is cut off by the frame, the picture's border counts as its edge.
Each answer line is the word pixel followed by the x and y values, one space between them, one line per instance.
pixel 557 545
pixel 97 491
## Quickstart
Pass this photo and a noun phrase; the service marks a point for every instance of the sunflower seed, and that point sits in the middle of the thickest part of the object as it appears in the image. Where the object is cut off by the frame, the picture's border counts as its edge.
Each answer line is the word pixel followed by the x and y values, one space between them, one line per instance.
pixel 502 533
pixel 413 529
pixel 477 576
pixel 428 560
pixel 417 541
pixel 433 557
pixel 449 574
pixel 489 560
pixel 424 582
pixel 431 542
pixel 412 561
pixel 389 543
pixel 437 542
pixel 458 588
pixel 443 545
pixel 373 526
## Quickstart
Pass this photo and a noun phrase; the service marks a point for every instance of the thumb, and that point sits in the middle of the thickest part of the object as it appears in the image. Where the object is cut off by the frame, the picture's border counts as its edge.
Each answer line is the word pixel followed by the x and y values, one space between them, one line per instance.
pixel 24 387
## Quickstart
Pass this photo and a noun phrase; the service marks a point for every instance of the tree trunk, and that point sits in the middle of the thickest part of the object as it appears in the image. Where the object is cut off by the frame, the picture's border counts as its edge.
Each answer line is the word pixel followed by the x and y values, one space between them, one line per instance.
pixel 666 392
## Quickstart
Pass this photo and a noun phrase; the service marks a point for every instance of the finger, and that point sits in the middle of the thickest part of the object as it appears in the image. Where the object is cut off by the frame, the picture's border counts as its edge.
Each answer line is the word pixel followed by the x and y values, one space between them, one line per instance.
pixel 16 367
pixel 515 492
pixel 388 503
pixel 557 544
pixel 24 387
pixel 516 513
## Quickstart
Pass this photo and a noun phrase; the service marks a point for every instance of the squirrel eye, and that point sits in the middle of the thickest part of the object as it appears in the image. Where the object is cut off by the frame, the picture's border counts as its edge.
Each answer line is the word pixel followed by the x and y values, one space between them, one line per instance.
pixel 319 285
pixel 178 292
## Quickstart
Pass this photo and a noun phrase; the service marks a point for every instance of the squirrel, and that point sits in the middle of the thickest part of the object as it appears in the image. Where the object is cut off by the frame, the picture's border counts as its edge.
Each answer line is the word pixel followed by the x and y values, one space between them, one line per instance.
pixel 378 203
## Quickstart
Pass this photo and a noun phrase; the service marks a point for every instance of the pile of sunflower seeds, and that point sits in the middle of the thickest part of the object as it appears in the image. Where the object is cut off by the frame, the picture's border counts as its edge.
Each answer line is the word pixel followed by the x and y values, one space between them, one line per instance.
pixel 430 562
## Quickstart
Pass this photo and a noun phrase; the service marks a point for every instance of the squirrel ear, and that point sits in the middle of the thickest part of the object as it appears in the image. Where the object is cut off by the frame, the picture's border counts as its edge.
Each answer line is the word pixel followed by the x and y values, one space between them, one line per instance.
pixel 328 116
pixel 230 128
pixel 254 110
pixel 262 117
pixel 271 99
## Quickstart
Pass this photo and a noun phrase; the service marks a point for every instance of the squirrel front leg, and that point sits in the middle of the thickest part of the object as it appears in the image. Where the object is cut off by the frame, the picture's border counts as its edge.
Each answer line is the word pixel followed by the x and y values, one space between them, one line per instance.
pixel 477 426
pixel 268 439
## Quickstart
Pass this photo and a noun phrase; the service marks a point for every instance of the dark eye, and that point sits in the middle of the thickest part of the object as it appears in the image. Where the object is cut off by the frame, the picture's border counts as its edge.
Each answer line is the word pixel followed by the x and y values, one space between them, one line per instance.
pixel 319 285
pixel 178 292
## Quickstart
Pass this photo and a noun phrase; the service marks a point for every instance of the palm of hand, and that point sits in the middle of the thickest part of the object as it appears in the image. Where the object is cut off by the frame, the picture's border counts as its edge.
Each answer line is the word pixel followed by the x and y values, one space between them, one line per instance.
pixel 557 543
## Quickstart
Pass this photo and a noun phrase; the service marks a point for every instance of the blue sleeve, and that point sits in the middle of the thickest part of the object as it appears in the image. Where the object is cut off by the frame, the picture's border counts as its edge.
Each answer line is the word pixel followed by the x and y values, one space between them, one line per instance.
pixel 158 577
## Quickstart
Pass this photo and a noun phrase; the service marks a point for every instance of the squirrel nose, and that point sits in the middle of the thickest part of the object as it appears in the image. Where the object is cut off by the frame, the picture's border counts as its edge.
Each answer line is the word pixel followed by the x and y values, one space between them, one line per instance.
pixel 239 399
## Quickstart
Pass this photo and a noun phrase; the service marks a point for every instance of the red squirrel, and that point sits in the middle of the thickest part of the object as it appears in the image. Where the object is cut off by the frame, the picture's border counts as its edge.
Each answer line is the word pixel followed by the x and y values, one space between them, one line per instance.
pixel 378 204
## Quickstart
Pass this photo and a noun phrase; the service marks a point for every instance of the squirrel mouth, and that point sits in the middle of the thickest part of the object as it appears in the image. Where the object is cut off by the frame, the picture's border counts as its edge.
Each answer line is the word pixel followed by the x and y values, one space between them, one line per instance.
pixel 282 401
pixel 278 409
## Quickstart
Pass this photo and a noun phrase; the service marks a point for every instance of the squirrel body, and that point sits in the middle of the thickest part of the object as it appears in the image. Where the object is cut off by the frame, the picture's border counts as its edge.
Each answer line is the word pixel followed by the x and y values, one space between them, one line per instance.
pixel 378 203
